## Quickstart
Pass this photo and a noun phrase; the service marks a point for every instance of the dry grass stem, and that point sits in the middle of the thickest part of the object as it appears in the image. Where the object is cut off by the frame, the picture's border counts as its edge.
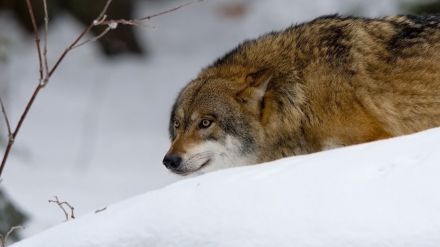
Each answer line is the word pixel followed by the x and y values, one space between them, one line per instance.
pixel 6 118
pixel 4 238
pixel 68 210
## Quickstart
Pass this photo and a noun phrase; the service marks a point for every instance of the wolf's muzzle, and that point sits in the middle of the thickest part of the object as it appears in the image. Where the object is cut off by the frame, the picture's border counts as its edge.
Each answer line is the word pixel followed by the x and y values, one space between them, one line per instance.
pixel 172 161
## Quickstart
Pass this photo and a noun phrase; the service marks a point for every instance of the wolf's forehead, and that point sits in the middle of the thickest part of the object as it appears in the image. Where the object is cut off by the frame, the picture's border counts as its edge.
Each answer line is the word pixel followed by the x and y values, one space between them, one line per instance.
pixel 200 99
pixel 203 92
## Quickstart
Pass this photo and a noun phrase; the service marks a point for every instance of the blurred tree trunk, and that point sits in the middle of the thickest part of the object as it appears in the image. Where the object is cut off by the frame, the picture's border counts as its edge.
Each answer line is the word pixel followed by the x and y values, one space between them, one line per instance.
pixel 423 7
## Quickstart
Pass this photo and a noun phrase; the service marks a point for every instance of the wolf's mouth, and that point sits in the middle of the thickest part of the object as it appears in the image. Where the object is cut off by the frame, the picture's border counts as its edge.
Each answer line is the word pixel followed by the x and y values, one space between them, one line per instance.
pixel 203 165
pixel 184 173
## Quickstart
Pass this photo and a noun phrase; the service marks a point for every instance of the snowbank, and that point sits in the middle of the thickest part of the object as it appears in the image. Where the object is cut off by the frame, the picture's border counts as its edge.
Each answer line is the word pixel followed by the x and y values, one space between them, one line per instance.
pixel 379 194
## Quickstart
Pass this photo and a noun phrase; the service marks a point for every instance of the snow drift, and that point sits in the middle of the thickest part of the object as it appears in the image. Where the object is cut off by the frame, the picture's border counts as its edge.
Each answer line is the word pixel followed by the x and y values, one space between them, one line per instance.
pixel 378 194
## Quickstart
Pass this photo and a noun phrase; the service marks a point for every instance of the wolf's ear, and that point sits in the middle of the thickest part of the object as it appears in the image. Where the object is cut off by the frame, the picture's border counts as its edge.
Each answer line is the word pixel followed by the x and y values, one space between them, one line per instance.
pixel 255 86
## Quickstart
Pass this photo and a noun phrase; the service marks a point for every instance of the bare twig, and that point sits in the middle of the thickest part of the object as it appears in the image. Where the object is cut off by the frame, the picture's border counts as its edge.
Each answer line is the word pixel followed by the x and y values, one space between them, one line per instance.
pixel 106 30
pixel 100 210
pixel 17 129
pixel 5 116
pixel 4 239
pixel 69 48
pixel 104 10
pixel 168 11
pixel 137 21
pixel 36 35
pixel 46 30
pixel 65 207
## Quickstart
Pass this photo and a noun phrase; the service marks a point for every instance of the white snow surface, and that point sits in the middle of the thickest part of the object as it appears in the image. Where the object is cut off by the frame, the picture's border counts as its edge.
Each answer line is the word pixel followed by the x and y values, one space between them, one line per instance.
pixel 383 194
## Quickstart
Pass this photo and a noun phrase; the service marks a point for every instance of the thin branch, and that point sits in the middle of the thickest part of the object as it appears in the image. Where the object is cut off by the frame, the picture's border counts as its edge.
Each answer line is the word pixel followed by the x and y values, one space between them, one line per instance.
pixel 46 28
pixel 17 129
pixel 104 10
pixel 137 21
pixel 100 210
pixel 169 10
pixel 69 48
pixel 62 205
pixel 5 116
pixel 106 30
pixel 37 37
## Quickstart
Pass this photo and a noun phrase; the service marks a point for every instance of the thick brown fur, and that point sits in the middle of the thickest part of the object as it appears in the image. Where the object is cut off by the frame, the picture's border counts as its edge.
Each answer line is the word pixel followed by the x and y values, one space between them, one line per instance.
pixel 334 81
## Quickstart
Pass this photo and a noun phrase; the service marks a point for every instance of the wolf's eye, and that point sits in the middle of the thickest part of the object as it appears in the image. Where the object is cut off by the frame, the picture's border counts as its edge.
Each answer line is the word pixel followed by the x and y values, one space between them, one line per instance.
pixel 176 124
pixel 205 123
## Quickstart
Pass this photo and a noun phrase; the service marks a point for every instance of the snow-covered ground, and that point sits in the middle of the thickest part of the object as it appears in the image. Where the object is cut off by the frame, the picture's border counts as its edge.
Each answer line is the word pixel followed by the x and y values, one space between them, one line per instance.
pixel 377 194
pixel 97 133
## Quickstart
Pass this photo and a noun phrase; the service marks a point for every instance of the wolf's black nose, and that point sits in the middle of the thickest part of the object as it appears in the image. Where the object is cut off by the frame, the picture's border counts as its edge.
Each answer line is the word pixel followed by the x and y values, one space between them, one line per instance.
pixel 172 161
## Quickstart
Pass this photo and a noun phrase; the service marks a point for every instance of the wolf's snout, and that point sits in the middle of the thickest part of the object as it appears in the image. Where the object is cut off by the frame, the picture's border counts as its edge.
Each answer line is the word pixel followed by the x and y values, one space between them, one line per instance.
pixel 172 161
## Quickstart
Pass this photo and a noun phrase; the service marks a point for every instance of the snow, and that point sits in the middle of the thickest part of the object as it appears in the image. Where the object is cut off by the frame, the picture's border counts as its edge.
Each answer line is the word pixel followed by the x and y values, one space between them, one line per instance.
pixel 377 194
pixel 97 133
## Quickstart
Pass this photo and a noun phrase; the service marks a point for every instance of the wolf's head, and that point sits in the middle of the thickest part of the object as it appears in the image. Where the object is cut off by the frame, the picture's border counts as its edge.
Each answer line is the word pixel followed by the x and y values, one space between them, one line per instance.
pixel 215 122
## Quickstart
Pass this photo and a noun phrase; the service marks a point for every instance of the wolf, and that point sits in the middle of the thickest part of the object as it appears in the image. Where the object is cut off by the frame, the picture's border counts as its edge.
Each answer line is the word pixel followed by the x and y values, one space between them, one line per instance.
pixel 331 82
